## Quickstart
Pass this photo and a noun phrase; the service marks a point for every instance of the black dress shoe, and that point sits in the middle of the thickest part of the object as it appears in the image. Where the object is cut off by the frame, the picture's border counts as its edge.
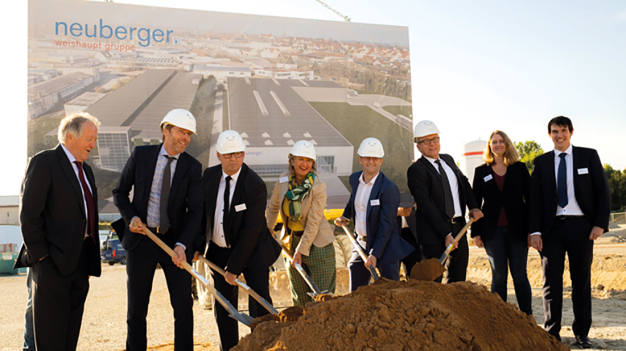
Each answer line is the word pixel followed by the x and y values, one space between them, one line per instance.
pixel 583 342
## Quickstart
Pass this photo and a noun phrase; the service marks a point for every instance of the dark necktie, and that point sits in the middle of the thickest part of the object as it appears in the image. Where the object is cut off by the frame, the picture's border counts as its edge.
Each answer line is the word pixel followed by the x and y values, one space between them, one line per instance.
pixel 91 212
pixel 448 201
pixel 562 181
pixel 226 201
pixel 164 220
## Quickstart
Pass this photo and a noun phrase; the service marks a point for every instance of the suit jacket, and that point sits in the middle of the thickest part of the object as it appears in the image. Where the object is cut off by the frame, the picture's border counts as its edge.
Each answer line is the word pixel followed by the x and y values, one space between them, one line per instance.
pixel 383 238
pixel 590 188
pixel 52 213
pixel 317 231
pixel 514 198
pixel 184 206
pixel 426 187
pixel 410 220
pixel 244 230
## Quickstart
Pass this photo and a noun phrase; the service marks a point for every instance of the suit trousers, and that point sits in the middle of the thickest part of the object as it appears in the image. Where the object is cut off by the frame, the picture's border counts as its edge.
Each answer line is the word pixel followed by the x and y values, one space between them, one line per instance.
pixel 141 263
pixel 456 264
pixel 569 236
pixel 257 278
pixel 360 276
pixel 59 301
pixel 413 257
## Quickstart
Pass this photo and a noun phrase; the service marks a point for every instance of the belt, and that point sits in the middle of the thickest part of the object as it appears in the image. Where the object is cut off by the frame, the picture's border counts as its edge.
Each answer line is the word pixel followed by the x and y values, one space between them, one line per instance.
pixel 564 217
pixel 455 220
pixel 156 230
pixel 294 233
pixel 362 238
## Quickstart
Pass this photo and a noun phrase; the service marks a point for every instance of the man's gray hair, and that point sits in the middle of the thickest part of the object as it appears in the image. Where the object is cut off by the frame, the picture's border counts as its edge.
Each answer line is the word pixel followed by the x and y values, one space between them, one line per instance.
pixel 73 124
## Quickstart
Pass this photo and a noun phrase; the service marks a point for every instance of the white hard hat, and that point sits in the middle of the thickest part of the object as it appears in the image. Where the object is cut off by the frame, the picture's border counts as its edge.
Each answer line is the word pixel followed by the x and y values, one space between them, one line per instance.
pixel 303 148
pixel 371 147
pixel 181 119
pixel 424 128
pixel 230 141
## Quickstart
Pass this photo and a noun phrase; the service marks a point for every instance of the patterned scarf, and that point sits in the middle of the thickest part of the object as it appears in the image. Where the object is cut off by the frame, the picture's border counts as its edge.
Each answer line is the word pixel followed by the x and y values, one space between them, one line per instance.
pixel 297 193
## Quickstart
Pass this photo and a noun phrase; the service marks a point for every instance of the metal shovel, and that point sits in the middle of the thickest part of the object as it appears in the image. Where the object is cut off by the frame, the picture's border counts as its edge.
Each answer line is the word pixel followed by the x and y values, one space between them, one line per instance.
pixel 303 273
pixel 251 292
pixel 373 270
pixel 241 317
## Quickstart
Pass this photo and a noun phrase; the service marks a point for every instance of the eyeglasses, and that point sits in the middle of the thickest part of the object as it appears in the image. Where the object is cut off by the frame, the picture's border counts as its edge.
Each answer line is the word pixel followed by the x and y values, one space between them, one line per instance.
pixel 236 154
pixel 429 141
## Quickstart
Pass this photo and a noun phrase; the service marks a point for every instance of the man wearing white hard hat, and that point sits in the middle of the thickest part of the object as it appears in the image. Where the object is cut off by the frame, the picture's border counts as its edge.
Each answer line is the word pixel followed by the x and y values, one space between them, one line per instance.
pixel 373 207
pixel 233 228
pixel 441 194
pixel 167 199
pixel 300 197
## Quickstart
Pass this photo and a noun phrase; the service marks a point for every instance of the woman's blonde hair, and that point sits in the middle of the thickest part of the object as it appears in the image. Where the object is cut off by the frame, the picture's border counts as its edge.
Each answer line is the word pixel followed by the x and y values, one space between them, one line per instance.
pixel 292 171
pixel 510 155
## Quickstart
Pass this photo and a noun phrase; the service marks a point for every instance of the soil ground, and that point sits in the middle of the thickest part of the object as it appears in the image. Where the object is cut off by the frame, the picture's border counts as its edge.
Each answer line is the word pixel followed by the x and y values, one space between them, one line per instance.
pixel 104 326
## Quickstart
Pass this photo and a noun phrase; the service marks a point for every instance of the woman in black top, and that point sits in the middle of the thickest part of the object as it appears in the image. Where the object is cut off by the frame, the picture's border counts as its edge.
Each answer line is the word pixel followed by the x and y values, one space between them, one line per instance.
pixel 502 186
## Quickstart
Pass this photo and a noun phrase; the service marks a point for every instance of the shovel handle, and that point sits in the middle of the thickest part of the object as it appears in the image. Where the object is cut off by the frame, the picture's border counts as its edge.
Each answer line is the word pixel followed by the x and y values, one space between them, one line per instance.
pixel 243 318
pixel 373 270
pixel 299 268
pixel 456 239
pixel 251 292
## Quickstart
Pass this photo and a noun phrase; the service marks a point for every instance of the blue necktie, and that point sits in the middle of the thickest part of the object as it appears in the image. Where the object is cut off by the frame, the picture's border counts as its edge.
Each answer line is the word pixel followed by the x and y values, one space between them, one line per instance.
pixel 562 181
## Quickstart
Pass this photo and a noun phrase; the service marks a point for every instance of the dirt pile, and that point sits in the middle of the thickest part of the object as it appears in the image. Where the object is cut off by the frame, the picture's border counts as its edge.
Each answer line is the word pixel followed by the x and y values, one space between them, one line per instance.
pixel 416 315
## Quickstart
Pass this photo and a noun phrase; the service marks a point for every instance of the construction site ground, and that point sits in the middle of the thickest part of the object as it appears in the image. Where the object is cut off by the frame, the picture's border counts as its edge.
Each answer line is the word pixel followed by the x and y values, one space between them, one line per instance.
pixel 104 321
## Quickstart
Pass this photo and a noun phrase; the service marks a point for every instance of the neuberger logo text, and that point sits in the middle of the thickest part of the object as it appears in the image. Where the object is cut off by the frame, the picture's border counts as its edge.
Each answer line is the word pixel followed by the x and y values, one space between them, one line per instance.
pixel 144 35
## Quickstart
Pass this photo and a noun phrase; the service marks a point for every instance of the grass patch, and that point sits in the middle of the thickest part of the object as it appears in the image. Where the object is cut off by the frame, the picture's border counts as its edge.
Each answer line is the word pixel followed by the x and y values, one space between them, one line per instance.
pixel 225 119
pixel 406 111
pixel 356 123
pixel 203 107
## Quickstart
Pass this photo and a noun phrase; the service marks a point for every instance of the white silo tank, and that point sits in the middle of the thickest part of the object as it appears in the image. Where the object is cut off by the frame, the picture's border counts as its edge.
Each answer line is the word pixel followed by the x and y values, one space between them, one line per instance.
pixel 472 157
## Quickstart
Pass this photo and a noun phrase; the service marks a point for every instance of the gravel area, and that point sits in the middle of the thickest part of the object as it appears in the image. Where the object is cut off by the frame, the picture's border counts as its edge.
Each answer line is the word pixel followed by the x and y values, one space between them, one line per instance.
pixel 104 320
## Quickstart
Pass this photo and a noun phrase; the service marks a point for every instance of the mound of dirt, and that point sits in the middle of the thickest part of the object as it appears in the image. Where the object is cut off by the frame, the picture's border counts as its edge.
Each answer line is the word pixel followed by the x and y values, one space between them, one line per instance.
pixel 415 315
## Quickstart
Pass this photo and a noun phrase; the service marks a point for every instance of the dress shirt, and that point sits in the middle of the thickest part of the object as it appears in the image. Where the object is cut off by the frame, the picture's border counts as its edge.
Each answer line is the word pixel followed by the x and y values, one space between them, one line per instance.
pixel 454 184
pixel 361 200
pixel 572 208
pixel 75 168
pixel 218 228
pixel 154 202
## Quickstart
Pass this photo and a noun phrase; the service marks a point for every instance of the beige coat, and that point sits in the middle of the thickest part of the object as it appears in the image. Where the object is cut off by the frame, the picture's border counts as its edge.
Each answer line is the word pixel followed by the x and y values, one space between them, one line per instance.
pixel 317 231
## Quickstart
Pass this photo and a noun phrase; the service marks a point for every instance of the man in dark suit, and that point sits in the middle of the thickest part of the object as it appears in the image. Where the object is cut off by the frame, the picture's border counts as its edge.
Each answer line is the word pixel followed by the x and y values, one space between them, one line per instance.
pixel 441 193
pixel 167 188
pixel 373 207
pixel 569 209
pixel 235 230
pixel 59 220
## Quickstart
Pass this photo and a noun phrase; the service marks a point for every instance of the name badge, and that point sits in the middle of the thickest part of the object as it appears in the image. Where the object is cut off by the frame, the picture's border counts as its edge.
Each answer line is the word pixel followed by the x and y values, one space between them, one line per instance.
pixel 583 171
pixel 375 202
pixel 488 178
pixel 283 179
pixel 240 208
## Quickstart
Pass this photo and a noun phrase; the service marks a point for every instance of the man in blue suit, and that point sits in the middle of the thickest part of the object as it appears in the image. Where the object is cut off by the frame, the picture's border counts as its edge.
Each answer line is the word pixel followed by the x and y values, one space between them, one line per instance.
pixel 167 186
pixel 373 206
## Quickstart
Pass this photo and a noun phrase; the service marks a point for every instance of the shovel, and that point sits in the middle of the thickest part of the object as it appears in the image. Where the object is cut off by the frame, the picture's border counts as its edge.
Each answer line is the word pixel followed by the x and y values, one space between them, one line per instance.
pixel 307 279
pixel 241 317
pixel 432 268
pixel 373 270
pixel 251 292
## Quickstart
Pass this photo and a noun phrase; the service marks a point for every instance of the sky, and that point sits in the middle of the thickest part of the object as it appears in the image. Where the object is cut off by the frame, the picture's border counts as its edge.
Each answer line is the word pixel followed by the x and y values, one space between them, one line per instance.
pixel 476 66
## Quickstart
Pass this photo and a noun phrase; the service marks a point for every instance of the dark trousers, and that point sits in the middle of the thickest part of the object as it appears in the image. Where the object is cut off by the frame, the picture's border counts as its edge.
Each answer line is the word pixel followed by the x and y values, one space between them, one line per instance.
pixel 257 278
pixel 456 264
pixel 504 252
pixel 413 257
pixel 58 302
pixel 360 276
pixel 569 236
pixel 141 264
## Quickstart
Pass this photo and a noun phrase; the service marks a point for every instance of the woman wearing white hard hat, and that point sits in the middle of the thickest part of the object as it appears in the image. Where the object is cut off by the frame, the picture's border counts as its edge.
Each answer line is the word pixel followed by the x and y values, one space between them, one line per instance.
pixel 300 197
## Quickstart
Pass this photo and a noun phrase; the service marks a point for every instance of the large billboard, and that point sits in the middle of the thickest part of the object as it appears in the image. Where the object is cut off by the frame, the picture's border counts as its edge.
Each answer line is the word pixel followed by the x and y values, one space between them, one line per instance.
pixel 275 80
